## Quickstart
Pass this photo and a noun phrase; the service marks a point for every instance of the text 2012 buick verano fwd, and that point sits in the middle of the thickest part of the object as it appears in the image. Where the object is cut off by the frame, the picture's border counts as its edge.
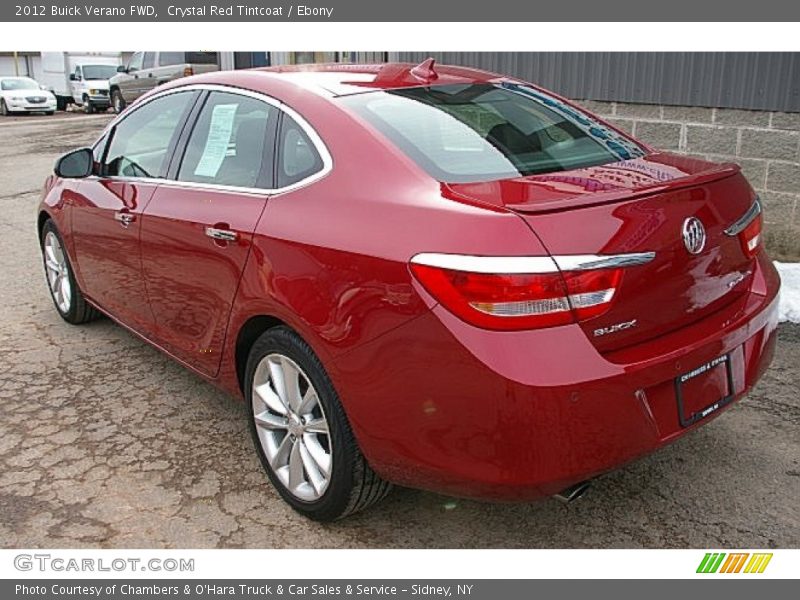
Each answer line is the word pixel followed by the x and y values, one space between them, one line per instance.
pixel 429 276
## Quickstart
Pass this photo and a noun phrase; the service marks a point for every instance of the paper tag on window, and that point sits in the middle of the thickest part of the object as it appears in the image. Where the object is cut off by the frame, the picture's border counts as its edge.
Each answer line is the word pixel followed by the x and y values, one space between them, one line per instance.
pixel 219 136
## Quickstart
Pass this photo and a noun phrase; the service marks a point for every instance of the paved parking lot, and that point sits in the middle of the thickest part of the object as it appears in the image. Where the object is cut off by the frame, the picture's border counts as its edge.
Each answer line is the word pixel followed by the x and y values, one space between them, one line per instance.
pixel 105 442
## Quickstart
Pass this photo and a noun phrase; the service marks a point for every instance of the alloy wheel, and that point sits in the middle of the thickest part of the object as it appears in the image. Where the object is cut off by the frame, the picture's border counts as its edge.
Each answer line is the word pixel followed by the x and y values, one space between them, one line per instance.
pixel 292 427
pixel 57 272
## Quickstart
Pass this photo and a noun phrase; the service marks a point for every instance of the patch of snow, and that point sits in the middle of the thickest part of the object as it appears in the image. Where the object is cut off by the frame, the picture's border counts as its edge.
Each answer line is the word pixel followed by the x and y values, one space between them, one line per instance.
pixel 789 308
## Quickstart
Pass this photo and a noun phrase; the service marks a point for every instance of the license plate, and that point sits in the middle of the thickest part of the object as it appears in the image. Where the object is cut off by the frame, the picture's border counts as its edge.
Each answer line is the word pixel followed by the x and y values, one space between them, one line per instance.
pixel 704 390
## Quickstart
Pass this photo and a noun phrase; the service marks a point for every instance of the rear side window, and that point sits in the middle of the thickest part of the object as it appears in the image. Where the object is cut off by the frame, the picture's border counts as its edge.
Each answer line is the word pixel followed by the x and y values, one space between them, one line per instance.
pixel 140 142
pixel 231 143
pixel 192 58
pixel 171 58
pixel 202 58
pixel 481 132
pixel 299 158
pixel 149 60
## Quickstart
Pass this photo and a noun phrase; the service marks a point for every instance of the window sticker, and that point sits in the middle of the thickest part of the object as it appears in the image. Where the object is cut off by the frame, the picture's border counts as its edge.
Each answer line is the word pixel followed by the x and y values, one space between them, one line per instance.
pixel 219 137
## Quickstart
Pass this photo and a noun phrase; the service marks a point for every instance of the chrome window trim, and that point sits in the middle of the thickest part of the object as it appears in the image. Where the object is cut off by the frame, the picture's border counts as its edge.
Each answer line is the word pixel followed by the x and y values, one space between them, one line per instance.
pixel 319 145
pixel 742 222
pixel 487 264
pixel 586 262
pixel 517 265
pixel 160 181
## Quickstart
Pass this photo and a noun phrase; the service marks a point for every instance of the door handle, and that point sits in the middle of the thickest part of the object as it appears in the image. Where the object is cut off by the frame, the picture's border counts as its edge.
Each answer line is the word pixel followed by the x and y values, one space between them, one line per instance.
pixel 125 218
pixel 225 235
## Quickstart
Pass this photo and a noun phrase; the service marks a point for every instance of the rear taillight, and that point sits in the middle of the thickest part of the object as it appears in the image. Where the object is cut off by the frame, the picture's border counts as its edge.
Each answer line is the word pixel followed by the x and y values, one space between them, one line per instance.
pixel 591 292
pixel 516 300
pixel 749 230
pixel 751 236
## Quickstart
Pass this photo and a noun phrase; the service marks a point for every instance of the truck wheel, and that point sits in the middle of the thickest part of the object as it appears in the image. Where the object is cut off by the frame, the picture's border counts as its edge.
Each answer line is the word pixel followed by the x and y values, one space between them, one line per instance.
pixel 88 107
pixel 3 108
pixel 117 101
pixel 61 103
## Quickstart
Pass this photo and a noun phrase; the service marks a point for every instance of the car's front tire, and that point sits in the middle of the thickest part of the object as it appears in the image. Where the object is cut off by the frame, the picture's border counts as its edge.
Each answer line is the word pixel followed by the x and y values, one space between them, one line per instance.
pixel 64 291
pixel 117 101
pixel 3 108
pixel 301 432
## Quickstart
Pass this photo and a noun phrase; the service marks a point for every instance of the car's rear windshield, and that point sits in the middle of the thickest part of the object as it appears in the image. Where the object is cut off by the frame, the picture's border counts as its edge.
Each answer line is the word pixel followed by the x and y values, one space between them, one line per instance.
pixel 482 132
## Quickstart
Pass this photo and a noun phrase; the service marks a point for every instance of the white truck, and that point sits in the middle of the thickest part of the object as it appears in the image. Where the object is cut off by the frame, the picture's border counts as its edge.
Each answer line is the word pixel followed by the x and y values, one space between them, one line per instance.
pixel 80 78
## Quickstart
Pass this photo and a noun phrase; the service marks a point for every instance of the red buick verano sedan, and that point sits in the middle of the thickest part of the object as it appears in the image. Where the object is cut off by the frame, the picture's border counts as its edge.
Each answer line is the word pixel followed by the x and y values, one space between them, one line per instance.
pixel 431 276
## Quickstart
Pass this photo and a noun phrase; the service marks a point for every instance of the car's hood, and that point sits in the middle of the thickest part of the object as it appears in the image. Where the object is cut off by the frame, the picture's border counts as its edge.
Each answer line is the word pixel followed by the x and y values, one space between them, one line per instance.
pixel 594 185
pixel 25 93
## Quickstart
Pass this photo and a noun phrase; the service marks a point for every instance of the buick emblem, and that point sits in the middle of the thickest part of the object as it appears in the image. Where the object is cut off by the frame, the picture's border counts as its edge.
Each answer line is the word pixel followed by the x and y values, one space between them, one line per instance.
pixel 694 235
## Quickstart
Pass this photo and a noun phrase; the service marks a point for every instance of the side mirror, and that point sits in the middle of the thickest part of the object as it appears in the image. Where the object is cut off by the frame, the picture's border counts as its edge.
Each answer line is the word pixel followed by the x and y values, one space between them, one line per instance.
pixel 122 69
pixel 76 164
pixel 72 77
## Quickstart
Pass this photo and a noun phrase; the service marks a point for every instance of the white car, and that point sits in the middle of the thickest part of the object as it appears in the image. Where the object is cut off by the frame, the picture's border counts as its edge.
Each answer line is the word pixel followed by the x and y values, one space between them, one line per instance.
pixel 24 95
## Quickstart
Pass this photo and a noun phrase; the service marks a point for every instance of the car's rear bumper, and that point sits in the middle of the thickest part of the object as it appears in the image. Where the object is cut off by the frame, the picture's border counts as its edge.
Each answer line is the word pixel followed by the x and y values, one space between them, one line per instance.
pixel 441 405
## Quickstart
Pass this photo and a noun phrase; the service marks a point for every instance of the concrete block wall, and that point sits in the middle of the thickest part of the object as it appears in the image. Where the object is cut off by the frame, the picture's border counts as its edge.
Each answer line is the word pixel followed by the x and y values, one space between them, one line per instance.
pixel 766 145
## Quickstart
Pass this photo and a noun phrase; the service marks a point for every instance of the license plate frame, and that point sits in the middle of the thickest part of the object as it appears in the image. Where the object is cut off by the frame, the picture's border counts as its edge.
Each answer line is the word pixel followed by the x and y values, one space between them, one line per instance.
pixel 702 413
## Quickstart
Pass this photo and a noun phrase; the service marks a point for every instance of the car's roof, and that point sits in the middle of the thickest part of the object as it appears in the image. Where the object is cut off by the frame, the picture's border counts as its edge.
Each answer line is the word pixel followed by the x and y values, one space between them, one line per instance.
pixel 337 79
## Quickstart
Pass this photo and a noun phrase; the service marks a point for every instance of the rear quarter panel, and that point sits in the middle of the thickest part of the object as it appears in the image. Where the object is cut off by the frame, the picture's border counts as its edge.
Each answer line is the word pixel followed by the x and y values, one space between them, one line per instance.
pixel 331 259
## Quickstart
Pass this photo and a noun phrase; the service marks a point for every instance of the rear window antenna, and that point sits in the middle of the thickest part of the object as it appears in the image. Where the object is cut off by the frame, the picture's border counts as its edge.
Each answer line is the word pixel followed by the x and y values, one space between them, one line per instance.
pixel 425 70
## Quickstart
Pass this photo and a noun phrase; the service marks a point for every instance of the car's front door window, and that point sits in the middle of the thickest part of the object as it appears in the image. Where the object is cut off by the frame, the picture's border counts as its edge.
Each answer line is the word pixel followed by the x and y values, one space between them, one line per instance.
pixel 139 143
pixel 136 62
pixel 228 145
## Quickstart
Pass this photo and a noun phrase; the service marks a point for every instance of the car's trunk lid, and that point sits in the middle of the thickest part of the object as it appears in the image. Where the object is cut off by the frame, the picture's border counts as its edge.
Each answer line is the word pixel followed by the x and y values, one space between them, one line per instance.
pixel 635 206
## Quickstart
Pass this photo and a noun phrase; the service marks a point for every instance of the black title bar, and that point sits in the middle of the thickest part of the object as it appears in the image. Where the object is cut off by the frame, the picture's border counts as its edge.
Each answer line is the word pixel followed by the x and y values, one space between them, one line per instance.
pixel 405 10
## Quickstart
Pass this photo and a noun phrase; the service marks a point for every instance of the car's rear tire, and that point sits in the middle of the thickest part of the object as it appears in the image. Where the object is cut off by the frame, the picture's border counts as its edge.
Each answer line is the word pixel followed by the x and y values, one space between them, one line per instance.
pixel 49 112
pixel 301 432
pixel 117 101
pixel 3 108
pixel 64 291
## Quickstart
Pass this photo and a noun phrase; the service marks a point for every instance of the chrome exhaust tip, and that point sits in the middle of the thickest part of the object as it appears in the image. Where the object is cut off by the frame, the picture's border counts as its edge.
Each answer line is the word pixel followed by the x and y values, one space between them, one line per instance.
pixel 573 492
